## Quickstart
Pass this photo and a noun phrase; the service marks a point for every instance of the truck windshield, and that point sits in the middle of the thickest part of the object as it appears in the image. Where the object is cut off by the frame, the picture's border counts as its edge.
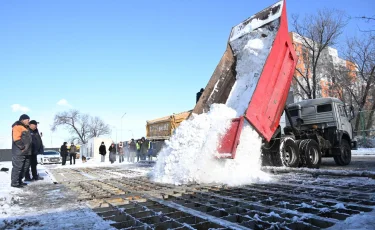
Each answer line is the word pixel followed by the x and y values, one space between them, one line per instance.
pixel 324 108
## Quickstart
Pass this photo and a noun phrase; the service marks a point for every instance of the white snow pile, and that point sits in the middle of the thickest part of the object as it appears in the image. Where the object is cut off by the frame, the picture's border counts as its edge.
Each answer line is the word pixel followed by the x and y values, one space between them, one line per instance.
pixel 190 155
pixel 363 221
pixel 364 152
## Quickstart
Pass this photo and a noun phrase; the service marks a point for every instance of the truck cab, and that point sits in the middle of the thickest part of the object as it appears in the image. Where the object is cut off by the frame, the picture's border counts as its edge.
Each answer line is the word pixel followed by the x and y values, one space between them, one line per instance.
pixel 327 121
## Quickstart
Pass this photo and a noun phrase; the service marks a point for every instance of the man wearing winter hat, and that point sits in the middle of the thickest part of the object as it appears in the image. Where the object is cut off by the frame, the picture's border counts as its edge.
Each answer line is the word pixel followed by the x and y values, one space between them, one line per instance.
pixel 36 148
pixel 21 150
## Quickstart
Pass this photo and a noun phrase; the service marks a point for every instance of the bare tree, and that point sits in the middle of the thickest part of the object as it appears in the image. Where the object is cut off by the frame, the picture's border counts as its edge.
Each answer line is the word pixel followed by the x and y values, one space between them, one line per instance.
pixel 359 82
pixel 81 126
pixel 371 117
pixel 97 127
pixel 368 20
pixel 317 32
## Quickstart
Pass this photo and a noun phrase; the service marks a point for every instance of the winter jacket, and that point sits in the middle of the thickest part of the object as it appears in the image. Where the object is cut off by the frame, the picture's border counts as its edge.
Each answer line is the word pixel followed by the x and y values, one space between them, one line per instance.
pixel 112 149
pixel 21 139
pixel 102 150
pixel 63 150
pixel 73 149
pixel 120 150
pixel 132 146
pixel 37 143
pixel 145 146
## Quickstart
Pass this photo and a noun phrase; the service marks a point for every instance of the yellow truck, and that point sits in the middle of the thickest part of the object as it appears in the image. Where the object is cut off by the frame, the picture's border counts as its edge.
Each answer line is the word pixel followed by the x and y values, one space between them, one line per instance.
pixel 161 129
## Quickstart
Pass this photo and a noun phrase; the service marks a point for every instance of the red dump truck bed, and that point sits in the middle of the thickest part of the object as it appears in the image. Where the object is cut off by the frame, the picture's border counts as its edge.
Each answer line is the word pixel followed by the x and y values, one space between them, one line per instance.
pixel 272 84
pixel 268 100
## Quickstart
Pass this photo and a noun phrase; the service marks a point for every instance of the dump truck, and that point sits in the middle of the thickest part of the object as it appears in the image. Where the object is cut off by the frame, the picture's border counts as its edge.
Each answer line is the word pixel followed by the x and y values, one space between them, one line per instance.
pixel 161 129
pixel 316 128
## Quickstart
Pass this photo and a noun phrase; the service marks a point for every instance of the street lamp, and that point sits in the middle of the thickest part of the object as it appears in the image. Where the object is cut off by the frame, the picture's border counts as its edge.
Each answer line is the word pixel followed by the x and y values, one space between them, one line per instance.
pixel 121 125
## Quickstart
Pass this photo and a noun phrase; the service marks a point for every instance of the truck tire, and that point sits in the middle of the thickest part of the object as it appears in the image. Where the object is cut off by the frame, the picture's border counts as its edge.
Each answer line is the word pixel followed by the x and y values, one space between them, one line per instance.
pixel 345 156
pixel 301 144
pixel 289 153
pixel 312 155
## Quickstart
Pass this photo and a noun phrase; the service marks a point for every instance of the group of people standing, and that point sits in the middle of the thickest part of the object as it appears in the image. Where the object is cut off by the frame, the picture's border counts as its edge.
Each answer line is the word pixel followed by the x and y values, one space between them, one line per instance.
pixel 127 150
pixel 26 145
pixel 71 152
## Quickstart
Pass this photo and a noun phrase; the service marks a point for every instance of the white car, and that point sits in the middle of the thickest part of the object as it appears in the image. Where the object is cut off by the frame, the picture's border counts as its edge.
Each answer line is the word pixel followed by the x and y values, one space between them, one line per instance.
pixel 49 157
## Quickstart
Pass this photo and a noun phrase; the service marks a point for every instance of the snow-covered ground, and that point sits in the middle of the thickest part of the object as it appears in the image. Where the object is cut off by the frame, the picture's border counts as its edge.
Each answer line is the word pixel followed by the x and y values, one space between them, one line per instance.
pixel 363 221
pixel 44 205
pixel 364 151
pixel 55 208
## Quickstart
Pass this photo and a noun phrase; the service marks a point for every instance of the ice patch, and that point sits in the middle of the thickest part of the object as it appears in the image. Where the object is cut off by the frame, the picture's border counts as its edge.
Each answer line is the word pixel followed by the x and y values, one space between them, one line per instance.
pixel 304 205
pixel 339 206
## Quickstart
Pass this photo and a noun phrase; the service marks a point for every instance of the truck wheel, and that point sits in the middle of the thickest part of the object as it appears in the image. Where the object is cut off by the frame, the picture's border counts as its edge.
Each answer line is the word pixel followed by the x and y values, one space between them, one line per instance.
pixel 337 160
pixel 289 153
pixel 300 144
pixel 345 156
pixel 312 154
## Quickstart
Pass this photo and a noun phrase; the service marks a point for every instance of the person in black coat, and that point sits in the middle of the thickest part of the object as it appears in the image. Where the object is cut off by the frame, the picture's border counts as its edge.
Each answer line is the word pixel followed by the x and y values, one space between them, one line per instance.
pixel 21 150
pixel 36 148
pixel 102 151
pixel 112 153
pixel 64 152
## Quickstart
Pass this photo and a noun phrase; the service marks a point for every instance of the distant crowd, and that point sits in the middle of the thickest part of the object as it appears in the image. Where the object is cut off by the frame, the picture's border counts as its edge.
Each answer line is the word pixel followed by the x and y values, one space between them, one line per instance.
pixel 27 144
pixel 128 150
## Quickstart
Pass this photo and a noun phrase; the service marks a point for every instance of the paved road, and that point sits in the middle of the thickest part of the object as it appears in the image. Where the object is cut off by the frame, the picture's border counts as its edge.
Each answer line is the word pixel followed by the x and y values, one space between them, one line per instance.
pixel 358 163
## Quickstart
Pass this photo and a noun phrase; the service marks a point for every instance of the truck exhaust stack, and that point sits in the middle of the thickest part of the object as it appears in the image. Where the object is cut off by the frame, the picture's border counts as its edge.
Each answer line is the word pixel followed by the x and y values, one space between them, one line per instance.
pixel 267 101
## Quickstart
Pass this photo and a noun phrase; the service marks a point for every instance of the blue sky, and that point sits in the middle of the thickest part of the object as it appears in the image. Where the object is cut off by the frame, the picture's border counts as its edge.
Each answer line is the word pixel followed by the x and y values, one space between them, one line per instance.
pixel 105 58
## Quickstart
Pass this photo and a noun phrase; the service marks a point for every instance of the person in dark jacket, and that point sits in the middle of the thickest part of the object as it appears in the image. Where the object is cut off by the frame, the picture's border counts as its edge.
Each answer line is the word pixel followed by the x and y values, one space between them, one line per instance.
pixel 21 150
pixel 132 150
pixel 145 146
pixel 199 94
pixel 36 148
pixel 138 147
pixel 112 153
pixel 72 153
pixel 64 152
pixel 103 151
pixel 120 150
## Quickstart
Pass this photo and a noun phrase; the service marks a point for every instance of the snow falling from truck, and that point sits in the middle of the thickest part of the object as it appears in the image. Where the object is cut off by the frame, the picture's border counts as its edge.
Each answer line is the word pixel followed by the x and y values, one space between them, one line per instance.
pixel 191 154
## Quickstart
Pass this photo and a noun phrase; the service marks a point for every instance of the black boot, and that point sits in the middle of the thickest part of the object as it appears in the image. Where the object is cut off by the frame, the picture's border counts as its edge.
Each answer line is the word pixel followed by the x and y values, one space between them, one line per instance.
pixel 38 178
pixel 16 186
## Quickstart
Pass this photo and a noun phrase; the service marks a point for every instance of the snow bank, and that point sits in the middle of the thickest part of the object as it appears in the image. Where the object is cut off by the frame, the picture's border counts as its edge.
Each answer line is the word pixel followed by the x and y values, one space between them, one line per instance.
pixel 364 152
pixel 360 221
pixel 190 155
